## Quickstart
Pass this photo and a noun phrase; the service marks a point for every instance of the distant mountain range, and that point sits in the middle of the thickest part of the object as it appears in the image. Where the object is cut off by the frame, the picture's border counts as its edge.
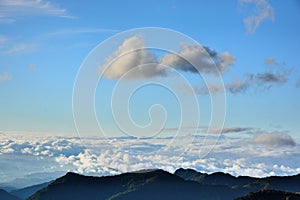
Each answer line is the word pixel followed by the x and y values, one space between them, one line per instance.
pixel 7 196
pixel 158 184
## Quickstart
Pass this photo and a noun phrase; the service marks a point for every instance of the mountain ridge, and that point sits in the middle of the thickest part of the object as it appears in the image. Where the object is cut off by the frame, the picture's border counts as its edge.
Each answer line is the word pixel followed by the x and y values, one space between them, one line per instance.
pixel 160 184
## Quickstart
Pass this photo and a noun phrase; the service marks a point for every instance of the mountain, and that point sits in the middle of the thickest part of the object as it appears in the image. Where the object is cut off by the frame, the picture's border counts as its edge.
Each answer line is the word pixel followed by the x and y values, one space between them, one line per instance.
pixel 286 183
pixel 30 179
pixel 150 184
pixel 270 195
pixel 24 193
pixel 6 196
pixel 218 178
pixel 158 184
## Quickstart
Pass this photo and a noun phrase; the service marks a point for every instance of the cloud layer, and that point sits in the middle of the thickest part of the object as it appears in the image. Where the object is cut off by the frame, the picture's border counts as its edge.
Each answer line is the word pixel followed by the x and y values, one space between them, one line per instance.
pixel 24 155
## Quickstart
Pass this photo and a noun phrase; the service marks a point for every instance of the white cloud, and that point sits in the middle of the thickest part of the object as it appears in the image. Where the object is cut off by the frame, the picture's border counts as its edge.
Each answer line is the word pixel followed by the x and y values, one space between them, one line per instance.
pixel 12 9
pixel 134 58
pixel 131 55
pixel 263 11
pixel 25 154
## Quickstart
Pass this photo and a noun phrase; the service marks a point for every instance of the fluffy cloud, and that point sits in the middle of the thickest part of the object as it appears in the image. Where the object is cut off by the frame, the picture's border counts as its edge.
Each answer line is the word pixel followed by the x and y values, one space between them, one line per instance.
pixel 10 10
pixel 263 11
pixel 203 58
pixel 129 58
pixel 274 140
pixel 132 59
pixel 5 77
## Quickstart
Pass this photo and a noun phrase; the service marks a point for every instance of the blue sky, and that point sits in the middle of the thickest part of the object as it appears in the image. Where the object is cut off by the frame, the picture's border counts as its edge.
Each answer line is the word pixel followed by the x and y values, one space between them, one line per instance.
pixel 255 45
pixel 44 43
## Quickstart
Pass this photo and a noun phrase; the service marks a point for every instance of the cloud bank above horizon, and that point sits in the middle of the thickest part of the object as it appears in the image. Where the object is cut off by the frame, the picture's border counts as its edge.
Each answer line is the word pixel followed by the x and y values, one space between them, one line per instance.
pixel 258 154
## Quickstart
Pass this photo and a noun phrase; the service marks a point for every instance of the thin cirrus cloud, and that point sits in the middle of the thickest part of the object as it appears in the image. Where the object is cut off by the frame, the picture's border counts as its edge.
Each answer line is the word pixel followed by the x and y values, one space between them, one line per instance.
pixel 17 48
pixel 7 47
pixel 81 31
pixel 132 54
pixel 12 9
pixel 263 11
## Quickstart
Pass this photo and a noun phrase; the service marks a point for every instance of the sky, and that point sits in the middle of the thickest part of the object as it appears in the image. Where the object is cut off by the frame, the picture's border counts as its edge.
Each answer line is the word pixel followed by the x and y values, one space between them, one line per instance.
pixel 242 92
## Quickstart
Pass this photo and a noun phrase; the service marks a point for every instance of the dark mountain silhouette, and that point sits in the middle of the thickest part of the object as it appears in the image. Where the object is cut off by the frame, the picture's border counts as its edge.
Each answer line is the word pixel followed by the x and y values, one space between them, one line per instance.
pixel 29 191
pixel 287 183
pixel 270 195
pixel 154 184
pixel 7 196
pixel 159 184
pixel 218 178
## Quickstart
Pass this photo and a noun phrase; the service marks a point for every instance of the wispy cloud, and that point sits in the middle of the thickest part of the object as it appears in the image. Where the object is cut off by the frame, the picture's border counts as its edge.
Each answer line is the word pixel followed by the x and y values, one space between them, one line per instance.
pixel 5 77
pixel 204 129
pixel 81 30
pixel 8 46
pixel 17 48
pixel 263 11
pixel 236 129
pixel 12 9
pixel 264 81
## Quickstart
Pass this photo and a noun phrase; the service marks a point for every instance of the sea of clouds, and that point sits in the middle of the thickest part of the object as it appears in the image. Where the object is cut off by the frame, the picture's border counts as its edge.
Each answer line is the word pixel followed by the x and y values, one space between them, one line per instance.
pixel 27 158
